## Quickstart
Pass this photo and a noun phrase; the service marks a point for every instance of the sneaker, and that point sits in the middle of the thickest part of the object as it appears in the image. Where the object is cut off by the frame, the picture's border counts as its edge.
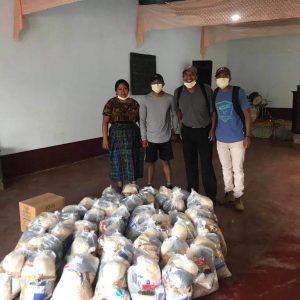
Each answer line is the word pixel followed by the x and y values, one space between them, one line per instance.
pixel 169 186
pixel 238 204
pixel 227 198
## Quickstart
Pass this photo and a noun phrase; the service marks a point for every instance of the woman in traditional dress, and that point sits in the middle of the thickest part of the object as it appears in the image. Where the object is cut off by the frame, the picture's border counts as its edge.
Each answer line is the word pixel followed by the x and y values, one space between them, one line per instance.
pixel 122 139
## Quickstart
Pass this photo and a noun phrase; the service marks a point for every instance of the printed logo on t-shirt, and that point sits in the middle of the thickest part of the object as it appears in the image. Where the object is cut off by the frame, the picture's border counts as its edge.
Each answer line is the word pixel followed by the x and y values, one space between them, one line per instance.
pixel 224 109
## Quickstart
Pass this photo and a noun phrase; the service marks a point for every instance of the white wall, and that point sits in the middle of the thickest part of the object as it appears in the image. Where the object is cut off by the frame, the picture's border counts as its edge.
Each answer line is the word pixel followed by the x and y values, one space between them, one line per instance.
pixel 55 81
pixel 268 65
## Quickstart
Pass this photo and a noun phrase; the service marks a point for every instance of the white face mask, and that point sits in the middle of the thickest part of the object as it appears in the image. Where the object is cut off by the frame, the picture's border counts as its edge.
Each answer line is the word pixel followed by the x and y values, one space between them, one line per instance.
pixel 121 98
pixel 190 85
pixel 222 83
pixel 157 87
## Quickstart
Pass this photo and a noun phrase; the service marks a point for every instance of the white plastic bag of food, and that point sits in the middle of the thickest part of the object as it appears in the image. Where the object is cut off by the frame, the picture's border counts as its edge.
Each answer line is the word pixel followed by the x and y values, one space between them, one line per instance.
pixel 13 262
pixel 204 225
pixel 161 199
pixel 112 225
pixel 36 242
pixel 105 205
pixel 178 194
pixel 84 243
pixel 77 278
pixel 87 202
pixel 33 242
pixel 45 220
pixel 162 222
pixel 176 202
pixel 147 209
pixel 111 282
pixel 69 215
pixel 113 273
pixel 149 245
pixel 63 229
pixel 172 246
pixel 147 197
pixel 178 215
pixel 130 189
pixel 149 189
pixel 117 246
pixel 196 199
pixel 10 285
pixel 144 280
pixel 132 201
pixel 206 281
pixel 76 209
pixel 94 215
pixel 73 285
pixel 178 276
pixel 108 190
pixel 184 230
pixel 10 273
pixel 139 221
pixel 179 191
pixel 111 195
pixel 25 238
pixel 38 276
pixel 166 191
pixel 212 241
pixel 85 226
pixel 122 212
pixel 196 212
pixel 52 243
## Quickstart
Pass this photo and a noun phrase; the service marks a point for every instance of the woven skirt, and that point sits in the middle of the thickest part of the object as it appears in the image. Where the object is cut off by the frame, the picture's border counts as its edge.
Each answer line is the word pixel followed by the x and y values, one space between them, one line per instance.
pixel 126 155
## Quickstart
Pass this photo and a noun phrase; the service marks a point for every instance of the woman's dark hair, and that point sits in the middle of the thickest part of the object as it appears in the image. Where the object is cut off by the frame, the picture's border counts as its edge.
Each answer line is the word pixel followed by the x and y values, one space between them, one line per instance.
pixel 121 81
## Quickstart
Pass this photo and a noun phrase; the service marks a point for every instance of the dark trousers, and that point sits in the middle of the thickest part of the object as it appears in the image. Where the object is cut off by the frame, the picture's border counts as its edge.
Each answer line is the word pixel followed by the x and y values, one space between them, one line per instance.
pixel 195 141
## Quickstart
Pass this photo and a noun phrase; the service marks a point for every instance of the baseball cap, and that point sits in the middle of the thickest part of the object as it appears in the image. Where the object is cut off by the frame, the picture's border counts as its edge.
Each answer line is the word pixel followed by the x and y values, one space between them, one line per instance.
pixel 157 77
pixel 223 70
pixel 190 68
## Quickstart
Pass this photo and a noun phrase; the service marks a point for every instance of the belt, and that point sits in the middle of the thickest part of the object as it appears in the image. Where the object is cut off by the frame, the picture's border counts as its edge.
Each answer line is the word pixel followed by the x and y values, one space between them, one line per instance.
pixel 193 127
pixel 123 122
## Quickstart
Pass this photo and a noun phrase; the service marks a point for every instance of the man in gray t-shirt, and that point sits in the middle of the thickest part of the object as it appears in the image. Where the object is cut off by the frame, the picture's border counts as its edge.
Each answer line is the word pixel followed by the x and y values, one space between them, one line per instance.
pixel 157 114
pixel 197 119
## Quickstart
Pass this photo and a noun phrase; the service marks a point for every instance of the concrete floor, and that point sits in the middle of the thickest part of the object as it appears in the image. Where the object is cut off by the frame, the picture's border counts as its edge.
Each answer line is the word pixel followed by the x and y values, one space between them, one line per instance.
pixel 263 242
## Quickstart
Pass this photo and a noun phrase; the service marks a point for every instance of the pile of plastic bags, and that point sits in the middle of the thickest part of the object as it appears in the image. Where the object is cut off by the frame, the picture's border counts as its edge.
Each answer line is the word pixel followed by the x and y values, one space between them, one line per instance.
pixel 141 244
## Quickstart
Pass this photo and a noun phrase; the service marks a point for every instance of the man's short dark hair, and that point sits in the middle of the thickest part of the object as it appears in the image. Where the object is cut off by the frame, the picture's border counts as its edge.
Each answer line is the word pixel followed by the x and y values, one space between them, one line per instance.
pixel 157 77
pixel 223 70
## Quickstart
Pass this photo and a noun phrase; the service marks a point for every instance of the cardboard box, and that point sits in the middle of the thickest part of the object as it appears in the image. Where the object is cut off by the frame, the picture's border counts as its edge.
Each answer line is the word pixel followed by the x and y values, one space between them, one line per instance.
pixel 32 207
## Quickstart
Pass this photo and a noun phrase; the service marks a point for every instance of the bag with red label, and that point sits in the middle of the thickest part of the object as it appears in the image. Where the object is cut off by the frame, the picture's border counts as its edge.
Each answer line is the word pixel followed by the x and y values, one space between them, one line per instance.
pixel 206 281
pixel 144 280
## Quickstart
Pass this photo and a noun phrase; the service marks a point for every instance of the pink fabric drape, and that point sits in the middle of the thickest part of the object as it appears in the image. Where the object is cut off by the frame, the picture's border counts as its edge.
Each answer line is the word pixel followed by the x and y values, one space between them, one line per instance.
pixel 216 34
pixel 25 7
pixel 210 13
pixel 18 19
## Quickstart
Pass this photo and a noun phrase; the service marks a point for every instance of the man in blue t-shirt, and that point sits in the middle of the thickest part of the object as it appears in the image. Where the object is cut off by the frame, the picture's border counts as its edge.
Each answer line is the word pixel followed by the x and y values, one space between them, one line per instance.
pixel 233 137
